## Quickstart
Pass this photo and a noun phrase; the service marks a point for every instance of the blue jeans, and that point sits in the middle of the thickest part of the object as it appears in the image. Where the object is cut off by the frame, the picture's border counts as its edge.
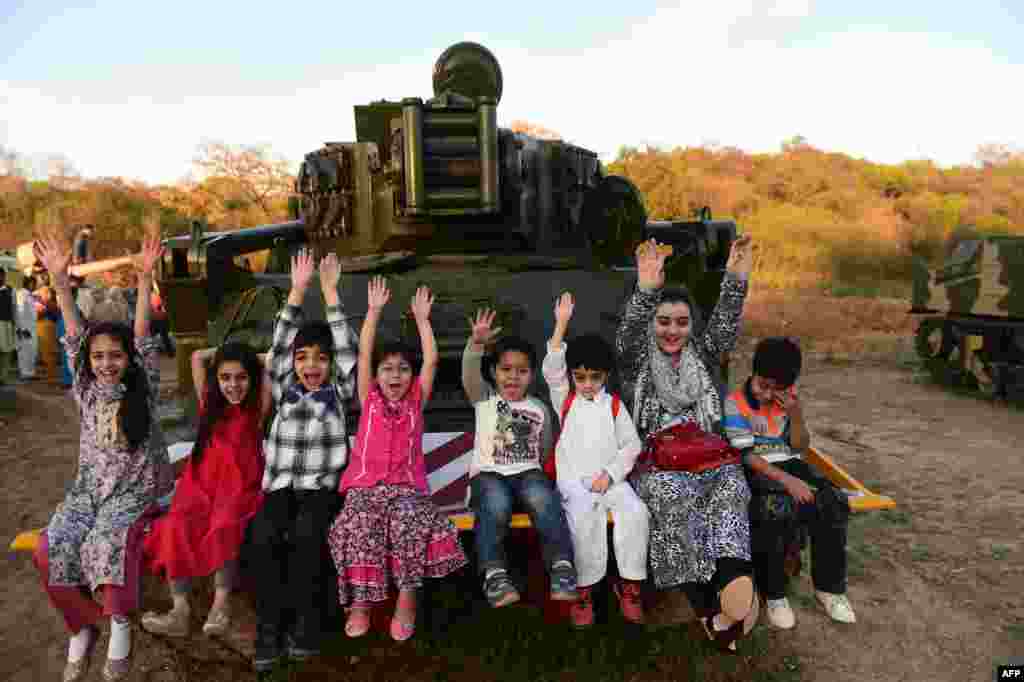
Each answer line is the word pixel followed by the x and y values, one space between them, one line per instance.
pixel 492 498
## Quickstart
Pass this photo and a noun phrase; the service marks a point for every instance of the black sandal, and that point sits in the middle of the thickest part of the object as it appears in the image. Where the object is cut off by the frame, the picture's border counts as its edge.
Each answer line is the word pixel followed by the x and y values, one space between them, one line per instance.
pixel 726 639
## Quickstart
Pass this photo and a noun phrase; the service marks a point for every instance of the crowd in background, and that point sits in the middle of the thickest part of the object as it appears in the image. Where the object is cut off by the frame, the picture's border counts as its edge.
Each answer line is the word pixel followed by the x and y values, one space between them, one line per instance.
pixel 32 326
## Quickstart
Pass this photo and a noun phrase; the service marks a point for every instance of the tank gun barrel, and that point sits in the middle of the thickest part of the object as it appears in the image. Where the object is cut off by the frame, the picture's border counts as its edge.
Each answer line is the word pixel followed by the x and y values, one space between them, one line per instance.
pixel 29 262
pixel 193 255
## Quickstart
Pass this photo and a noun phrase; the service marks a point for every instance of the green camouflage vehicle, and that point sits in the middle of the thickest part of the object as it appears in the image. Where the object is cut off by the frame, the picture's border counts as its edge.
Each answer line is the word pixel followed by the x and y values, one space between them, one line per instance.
pixel 433 192
pixel 973 313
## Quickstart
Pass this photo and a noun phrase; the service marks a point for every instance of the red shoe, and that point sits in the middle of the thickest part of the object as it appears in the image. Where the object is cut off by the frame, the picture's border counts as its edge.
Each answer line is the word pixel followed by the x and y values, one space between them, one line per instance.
pixel 581 613
pixel 628 592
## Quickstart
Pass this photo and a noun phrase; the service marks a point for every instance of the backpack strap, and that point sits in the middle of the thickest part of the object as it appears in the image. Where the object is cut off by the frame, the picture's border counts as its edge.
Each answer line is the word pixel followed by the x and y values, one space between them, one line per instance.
pixel 566 404
pixel 549 464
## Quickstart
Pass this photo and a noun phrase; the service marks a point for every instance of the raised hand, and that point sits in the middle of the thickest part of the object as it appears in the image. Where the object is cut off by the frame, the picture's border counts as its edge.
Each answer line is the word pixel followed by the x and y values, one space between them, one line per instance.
pixel 650 266
pixel 564 307
pixel 789 401
pixel 152 251
pixel 330 272
pixel 303 267
pixel 740 256
pixel 55 254
pixel 421 304
pixel 481 325
pixel 377 293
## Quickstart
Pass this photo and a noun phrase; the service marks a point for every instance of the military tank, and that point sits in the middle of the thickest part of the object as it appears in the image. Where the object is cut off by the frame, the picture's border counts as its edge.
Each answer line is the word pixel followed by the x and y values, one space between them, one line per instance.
pixel 971 330
pixel 433 192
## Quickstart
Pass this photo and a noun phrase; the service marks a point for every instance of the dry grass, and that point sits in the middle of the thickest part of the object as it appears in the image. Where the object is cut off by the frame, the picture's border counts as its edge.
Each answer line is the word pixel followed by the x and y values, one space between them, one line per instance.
pixel 840 328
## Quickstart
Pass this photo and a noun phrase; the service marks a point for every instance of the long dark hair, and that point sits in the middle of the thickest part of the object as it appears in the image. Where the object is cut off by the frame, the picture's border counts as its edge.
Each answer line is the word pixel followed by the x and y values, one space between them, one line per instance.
pixel 391 347
pixel 133 413
pixel 214 402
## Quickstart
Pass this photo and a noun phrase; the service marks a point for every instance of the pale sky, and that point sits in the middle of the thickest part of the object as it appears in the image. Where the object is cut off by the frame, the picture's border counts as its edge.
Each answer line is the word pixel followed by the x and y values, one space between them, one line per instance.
pixel 128 88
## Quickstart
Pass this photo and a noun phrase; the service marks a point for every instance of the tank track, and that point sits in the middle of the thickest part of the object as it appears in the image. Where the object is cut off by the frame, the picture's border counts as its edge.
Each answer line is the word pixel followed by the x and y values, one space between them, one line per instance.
pixel 974 352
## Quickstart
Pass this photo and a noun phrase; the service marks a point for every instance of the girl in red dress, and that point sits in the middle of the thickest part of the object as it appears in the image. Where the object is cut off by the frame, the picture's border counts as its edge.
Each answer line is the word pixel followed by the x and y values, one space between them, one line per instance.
pixel 218 492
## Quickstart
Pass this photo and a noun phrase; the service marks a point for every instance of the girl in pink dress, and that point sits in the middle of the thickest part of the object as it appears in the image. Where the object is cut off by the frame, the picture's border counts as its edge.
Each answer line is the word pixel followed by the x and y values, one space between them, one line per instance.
pixel 388 530
pixel 219 491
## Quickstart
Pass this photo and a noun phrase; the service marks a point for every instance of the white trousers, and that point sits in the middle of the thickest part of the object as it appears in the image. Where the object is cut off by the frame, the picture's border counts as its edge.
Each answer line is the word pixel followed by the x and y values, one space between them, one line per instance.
pixel 28 353
pixel 587 515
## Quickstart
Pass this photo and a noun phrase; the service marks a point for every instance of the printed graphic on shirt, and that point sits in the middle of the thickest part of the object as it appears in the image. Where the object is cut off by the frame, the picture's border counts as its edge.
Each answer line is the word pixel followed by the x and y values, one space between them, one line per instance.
pixel 517 435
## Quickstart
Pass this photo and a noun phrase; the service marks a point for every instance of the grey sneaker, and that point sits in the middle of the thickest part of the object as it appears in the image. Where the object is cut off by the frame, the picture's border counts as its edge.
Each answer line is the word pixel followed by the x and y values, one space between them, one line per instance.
pixel 499 589
pixel 563 582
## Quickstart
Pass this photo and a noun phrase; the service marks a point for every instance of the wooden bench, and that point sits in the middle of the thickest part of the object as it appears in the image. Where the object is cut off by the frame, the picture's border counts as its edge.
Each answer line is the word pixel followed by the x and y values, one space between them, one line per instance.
pixel 861 498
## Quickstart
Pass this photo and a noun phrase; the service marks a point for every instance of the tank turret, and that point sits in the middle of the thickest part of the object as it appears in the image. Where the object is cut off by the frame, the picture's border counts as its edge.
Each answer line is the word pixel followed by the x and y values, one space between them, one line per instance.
pixel 439 175
pixel 433 192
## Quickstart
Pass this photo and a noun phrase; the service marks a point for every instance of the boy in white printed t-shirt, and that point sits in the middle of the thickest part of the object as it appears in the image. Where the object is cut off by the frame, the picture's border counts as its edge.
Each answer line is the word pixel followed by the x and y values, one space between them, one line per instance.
pixel 595 452
pixel 513 436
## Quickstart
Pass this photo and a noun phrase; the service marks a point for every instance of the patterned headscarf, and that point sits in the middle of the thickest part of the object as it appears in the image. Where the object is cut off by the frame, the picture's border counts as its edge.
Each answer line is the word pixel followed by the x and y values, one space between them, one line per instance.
pixel 686 385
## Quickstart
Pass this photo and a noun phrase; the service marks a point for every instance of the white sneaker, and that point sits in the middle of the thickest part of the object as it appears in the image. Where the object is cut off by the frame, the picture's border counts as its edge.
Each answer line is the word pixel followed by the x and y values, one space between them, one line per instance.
pixel 837 606
pixel 780 614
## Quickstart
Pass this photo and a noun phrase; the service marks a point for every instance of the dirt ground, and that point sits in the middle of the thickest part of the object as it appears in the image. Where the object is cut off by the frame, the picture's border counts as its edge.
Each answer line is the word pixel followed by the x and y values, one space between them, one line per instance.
pixel 938 584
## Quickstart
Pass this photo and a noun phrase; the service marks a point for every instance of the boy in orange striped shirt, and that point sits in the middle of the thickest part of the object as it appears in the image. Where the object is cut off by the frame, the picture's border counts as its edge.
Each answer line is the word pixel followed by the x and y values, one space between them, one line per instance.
pixel 764 419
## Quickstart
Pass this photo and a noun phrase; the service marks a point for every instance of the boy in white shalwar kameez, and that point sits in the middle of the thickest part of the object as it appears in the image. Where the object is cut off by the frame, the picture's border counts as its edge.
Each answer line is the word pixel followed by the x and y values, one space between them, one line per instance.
pixel 594 454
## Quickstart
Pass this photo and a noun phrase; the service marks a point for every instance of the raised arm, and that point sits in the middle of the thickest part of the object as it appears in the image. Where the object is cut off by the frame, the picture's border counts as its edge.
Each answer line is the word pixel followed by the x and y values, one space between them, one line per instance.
pixel 287 324
pixel 266 386
pixel 421 305
pixel 472 379
pixel 55 255
pixel 723 324
pixel 553 368
pixel 377 296
pixel 341 332
pixel 152 251
pixel 633 338
pixel 199 360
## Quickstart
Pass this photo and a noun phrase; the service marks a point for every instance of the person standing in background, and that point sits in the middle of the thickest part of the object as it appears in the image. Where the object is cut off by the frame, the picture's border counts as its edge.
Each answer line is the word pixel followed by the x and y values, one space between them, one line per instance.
pixel 28 342
pixel 80 250
pixel 7 337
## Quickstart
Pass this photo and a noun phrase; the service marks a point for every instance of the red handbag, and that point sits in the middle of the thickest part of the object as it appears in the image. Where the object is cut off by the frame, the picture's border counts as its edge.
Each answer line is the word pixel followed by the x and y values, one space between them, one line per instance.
pixel 685 447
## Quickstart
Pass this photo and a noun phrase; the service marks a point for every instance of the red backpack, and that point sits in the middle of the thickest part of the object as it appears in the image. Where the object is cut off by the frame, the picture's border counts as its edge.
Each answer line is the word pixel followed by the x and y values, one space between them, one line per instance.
pixel 549 463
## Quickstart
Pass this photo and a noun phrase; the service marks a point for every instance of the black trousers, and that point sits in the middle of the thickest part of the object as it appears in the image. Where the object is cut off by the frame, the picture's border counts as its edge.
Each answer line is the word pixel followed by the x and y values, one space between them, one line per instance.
pixel 289 559
pixel 704 596
pixel 774 519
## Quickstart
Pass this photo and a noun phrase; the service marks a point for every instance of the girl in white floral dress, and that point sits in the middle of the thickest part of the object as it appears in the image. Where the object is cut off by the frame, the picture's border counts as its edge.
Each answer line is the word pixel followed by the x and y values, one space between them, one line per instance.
pixel 93 542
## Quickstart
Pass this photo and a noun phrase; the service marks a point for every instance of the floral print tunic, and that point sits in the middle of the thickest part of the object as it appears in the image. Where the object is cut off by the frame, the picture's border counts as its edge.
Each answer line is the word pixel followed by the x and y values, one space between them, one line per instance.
pixel 115 487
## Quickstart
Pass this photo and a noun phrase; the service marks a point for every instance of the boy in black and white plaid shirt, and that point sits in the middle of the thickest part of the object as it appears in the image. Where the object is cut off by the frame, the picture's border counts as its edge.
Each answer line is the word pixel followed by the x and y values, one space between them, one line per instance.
pixel 311 371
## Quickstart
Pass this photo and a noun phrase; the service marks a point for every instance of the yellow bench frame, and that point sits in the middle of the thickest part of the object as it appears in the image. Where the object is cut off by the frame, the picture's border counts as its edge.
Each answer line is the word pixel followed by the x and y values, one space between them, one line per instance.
pixel 861 500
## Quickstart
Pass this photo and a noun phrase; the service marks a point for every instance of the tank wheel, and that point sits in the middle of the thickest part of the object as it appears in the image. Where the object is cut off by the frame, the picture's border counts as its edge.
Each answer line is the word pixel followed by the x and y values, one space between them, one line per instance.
pixel 937 344
pixel 613 220
pixel 933 342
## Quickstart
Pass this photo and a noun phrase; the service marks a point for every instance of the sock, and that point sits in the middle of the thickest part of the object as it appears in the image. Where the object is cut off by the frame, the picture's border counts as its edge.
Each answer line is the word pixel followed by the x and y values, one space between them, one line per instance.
pixel 181 603
pixel 120 638
pixel 220 599
pixel 79 644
